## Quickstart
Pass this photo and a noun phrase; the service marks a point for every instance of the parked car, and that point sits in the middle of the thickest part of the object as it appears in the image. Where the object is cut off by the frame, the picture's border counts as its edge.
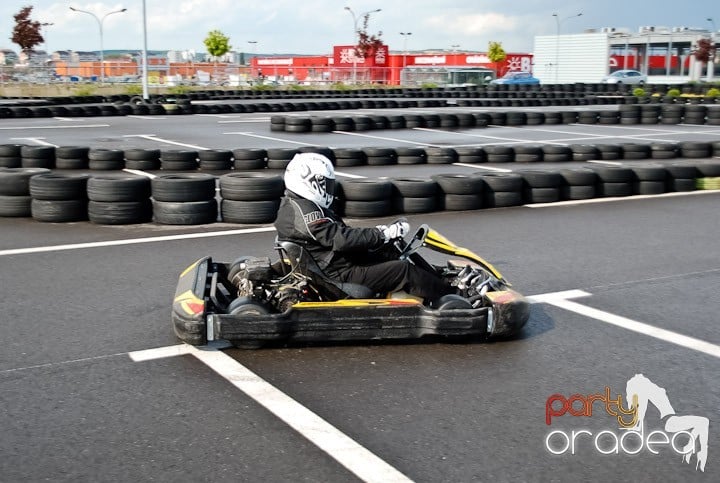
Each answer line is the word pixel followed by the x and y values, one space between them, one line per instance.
pixel 517 78
pixel 625 76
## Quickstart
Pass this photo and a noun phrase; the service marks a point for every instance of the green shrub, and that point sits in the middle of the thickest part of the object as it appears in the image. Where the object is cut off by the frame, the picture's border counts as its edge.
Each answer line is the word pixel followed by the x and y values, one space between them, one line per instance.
pixel 639 92
pixel 87 90
pixel 428 85
pixel 713 92
pixel 178 90
pixel 673 92
pixel 134 90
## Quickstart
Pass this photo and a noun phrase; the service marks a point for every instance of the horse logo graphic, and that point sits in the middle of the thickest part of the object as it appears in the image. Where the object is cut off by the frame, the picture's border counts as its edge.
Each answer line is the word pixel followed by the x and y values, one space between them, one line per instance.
pixel 697 427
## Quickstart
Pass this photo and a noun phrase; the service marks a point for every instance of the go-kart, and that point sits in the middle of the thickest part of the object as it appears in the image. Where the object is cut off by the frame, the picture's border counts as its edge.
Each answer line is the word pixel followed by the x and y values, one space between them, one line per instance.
pixel 252 301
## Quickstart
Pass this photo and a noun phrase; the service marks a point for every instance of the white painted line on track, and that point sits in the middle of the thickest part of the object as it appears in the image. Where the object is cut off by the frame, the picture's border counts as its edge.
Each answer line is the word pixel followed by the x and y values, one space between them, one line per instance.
pixel 152 137
pixel 249 120
pixel 65 119
pixel 350 454
pixel 133 241
pixel 36 141
pixel 270 138
pixel 622 198
pixel 611 163
pixel 77 126
pixel 563 302
pixel 348 175
pixel 145 118
pixel 488 168
pixel 382 138
pixel 140 173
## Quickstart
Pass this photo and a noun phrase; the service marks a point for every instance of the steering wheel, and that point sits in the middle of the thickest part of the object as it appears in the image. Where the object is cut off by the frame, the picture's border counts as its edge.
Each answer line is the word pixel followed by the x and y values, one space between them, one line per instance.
pixel 417 241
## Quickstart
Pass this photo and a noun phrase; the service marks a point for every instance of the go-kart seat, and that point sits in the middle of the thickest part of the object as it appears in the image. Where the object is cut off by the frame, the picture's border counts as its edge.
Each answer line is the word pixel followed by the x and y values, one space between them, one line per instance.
pixel 299 257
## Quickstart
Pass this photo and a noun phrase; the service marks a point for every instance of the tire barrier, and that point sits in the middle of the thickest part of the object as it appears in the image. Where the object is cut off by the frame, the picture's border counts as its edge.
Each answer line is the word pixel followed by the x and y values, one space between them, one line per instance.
pixel 250 198
pixel 119 199
pixel 59 198
pixel 184 199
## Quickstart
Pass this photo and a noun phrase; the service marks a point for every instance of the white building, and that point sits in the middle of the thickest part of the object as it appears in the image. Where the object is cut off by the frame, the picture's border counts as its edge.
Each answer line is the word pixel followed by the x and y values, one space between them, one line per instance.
pixel 664 54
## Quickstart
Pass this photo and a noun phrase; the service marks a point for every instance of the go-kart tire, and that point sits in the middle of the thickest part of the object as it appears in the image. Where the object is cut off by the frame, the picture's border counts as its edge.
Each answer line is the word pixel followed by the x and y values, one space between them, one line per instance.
pixel 414 187
pixel 451 202
pixel 236 266
pixel 578 192
pixel 183 187
pixel 368 209
pixel 15 206
pixel 249 212
pixel 502 181
pixel 578 176
pixel 16 181
pixel 53 186
pixel 185 213
pixel 246 306
pixel 251 187
pixel 10 162
pixel 120 212
pixel 120 188
pixel 59 211
pixel 459 184
pixel 409 205
pixel 366 189
pixel 452 302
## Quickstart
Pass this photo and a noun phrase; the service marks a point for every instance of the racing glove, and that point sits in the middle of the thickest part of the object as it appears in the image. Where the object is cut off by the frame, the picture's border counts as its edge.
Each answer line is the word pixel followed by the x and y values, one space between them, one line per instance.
pixel 397 230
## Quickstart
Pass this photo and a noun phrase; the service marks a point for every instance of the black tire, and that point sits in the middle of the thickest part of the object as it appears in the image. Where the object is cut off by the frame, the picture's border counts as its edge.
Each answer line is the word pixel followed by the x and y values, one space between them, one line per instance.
pixel 106 165
pixel 10 162
pixel 614 174
pixel 682 171
pixel 410 155
pixel 142 165
pixel 120 188
pixel 414 205
pixel 578 176
pixel 47 163
pixel 11 150
pixel 251 187
pixel 15 206
pixel 584 152
pixel 183 187
pixel 37 152
pixel 112 156
pixel 471 155
pixel 649 173
pixel 53 186
pixel 16 181
pixel 541 179
pixel 59 211
pixel 611 189
pixel 366 189
pixel 72 152
pixel 463 202
pixel 440 155
pixel 185 213
pixel 542 195
pixel 119 213
pixel 215 159
pixel 578 192
pixel 414 187
pixel 368 209
pixel 649 187
pixel 682 184
pixel 248 164
pixel 610 151
pixel 664 150
pixel 502 199
pixel 502 181
pixel 708 170
pixel 459 184
pixel 143 155
pixel 635 151
pixel 249 212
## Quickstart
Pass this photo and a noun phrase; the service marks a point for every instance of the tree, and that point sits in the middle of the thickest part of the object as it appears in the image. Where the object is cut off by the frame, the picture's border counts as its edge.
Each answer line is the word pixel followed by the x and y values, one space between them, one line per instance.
pixel 496 54
pixel 705 50
pixel 217 44
pixel 27 31
pixel 367 44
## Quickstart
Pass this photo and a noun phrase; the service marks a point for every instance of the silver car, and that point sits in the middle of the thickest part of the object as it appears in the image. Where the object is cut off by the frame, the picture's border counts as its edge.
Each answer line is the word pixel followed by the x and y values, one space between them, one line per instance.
pixel 625 77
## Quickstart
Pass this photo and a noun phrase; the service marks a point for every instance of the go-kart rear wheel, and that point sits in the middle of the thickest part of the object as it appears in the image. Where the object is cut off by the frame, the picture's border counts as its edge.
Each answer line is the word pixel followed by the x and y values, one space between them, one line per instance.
pixel 452 302
pixel 235 267
pixel 246 306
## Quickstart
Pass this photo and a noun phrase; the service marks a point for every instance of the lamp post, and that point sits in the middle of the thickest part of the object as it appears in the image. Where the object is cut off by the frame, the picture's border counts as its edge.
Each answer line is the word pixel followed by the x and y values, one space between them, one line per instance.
pixel 46 24
pixel 253 43
pixel 711 63
pixel 405 36
pixel 100 21
pixel 355 37
pixel 558 22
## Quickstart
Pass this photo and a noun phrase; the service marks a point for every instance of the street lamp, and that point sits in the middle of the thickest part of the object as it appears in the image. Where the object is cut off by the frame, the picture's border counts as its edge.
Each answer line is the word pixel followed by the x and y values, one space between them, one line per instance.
pixel 355 36
pixel 253 43
pixel 46 24
pixel 712 22
pixel 405 36
pixel 100 26
pixel 558 22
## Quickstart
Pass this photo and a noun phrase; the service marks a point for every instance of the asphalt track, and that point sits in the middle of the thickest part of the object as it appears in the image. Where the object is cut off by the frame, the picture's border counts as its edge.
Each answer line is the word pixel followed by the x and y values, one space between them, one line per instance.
pixel 89 390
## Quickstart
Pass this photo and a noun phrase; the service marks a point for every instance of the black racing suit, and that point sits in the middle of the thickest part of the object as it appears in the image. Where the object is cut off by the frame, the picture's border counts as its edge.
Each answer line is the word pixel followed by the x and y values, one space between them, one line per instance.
pixel 350 254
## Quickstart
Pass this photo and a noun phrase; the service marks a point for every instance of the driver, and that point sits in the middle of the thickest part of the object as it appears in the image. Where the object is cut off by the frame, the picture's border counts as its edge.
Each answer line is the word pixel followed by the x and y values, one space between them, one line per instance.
pixel 344 253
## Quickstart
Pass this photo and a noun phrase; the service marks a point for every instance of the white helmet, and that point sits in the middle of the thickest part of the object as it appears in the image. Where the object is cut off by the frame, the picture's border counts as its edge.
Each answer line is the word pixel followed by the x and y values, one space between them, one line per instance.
pixel 311 176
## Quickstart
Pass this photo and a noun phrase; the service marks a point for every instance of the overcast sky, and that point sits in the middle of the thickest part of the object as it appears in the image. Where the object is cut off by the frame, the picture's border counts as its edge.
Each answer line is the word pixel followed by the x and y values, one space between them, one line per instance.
pixel 310 27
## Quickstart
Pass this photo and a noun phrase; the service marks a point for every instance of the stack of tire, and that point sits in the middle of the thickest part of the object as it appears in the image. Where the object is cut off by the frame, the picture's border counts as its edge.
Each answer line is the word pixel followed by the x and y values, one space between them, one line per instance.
pixel 279 158
pixel 410 155
pixel 578 184
pixel 106 159
pixel 184 199
pixel 119 199
pixel 614 181
pixel 348 157
pixel 250 197
pixel 681 177
pixel 440 155
pixel 414 195
pixel 664 150
pixel 15 199
pixel 72 157
pixel 59 198
pixel 10 155
pixel 713 116
pixel 649 179
pixel 695 114
pixel 38 156
pixel 502 189
pixel 215 159
pixel 142 159
pixel 248 158
pixel 671 113
pixel 708 176
pixel 359 198
pixel 375 156
pixel 528 153
pixel 541 186
pixel 460 192
pixel 178 160
pixel 635 151
pixel 696 149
